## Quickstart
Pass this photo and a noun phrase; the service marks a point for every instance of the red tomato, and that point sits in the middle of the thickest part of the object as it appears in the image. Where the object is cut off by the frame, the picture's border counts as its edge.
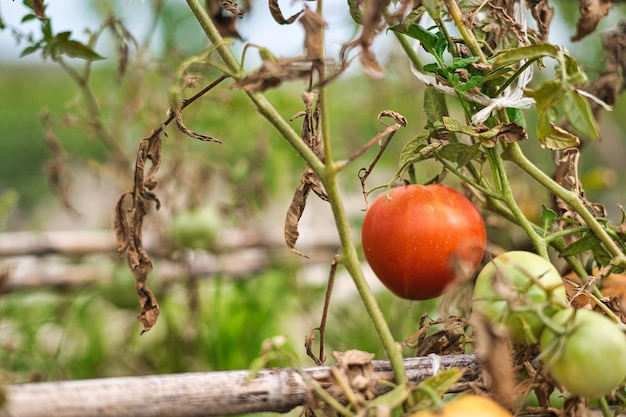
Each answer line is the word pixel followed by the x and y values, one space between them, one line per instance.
pixel 421 239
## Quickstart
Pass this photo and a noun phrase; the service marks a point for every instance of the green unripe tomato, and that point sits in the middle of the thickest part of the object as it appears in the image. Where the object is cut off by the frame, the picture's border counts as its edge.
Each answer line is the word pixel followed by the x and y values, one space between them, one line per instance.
pixel 196 228
pixel 590 358
pixel 516 281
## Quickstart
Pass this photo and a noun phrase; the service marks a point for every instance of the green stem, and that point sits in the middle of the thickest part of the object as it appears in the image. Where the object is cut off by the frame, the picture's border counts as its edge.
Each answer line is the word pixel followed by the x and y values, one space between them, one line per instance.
pixel 216 38
pixel 409 51
pixel 328 176
pixel 350 260
pixel 507 196
pixel 468 36
pixel 515 154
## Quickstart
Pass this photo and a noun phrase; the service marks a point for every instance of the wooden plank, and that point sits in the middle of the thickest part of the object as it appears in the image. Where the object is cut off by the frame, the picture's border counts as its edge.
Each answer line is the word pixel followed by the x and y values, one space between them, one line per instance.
pixel 197 394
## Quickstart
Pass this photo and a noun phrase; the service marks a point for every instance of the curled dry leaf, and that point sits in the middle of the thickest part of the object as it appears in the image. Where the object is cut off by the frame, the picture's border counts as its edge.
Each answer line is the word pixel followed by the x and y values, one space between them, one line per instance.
pixel 224 14
pixel 372 21
pixel 542 13
pixel 181 126
pixel 272 73
pixel 128 225
pixel 39 8
pixel 591 12
pixel 278 16
pixel 313 40
pixel 309 181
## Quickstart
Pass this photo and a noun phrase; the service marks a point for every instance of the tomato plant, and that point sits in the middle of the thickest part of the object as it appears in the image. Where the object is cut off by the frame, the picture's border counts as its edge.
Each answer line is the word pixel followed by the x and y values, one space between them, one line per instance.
pixel 468 406
pixel 515 289
pixel 589 357
pixel 420 239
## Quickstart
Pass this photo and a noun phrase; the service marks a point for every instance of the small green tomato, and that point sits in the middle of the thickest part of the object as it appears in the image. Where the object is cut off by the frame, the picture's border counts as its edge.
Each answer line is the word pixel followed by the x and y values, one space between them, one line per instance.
pixel 589 359
pixel 514 290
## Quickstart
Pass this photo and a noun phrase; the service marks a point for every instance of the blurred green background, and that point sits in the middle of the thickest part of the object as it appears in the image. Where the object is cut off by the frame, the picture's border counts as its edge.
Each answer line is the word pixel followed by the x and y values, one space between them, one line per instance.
pixel 217 321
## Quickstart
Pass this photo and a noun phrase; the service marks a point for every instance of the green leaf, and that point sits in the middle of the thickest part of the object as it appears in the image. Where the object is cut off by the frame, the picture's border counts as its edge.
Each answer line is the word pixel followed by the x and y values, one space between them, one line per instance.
pixel 462 62
pixel 451 151
pixel 532 52
pixel 516 116
pixel 579 114
pixel 439 384
pixel 30 49
pixel 413 17
pixel 548 216
pixel 407 155
pixel 427 39
pixel 469 154
pixel 434 105
pixel 587 242
pixel 394 398
pixel 432 68
pixel 75 49
pixel 28 18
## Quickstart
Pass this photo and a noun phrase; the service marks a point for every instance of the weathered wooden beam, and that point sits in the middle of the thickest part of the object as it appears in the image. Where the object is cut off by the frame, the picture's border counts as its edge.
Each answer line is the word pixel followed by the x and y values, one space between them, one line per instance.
pixel 197 394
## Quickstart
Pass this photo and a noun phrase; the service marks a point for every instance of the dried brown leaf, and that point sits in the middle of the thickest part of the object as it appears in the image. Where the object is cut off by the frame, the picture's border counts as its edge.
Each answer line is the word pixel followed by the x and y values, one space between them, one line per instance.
pixel 192 134
pixel 272 73
pixel 278 16
pixel 225 23
pixel 494 350
pixel 591 12
pixel 313 40
pixel 356 367
pixel 231 6
pixel 122 228
pixel 542 13
pixel 39 8
pixel 309 181
pixel 294 213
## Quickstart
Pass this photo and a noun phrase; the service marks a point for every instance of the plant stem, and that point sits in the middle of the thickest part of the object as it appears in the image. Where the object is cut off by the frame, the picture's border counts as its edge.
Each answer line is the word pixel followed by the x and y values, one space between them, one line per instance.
pixel 350 259
pixel 468 36
pixel 328 176
pixel 504 186
pixel 515 154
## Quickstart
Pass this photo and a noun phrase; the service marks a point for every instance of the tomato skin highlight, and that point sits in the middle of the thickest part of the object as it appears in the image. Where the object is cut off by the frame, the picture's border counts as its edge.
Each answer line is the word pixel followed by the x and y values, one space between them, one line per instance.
pixel 590 359
pixel 468 406
pixel 416 239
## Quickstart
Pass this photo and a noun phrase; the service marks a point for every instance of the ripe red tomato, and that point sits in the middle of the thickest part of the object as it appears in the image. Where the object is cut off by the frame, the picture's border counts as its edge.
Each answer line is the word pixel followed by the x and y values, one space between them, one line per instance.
pixel 421 239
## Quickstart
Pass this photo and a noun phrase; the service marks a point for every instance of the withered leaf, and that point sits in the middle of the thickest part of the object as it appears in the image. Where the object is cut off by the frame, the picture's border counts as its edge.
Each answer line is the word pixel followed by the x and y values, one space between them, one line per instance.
pixel 313 41
pixel 309 181
pixel 591 12
pixel 542 13
pixel 278 16
pixel 181 126
pixel 272 73
pixel 122 229
pixel 494 350
pixel 226 24
pixel 231 6
pixel 39 8
pixel 507 133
